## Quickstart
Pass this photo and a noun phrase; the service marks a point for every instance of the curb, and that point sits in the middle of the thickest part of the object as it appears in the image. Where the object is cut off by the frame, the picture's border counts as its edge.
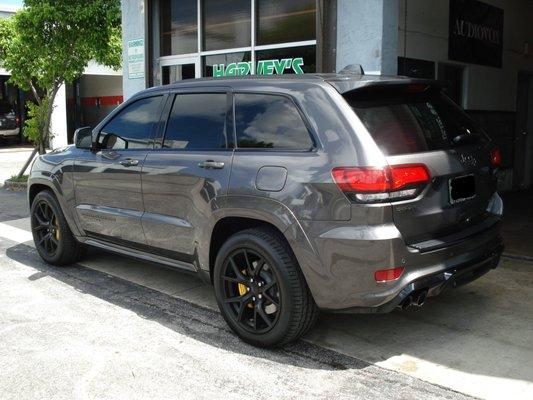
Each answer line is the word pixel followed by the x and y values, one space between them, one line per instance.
pixel 517 257
pixel 15 186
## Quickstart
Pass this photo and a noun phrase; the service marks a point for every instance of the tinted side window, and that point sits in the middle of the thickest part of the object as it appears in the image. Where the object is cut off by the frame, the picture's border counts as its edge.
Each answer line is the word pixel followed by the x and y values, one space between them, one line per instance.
pixel 269 122
pixel 132 127
pixel 197 122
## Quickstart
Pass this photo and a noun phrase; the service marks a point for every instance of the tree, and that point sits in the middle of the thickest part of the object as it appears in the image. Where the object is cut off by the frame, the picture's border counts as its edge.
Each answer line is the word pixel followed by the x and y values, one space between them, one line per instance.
pixel 50 42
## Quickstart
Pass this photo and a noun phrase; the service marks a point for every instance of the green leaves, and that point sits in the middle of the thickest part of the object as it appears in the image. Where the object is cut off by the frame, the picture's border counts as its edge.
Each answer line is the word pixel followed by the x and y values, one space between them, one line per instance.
pixel 51 41
pixel 37 114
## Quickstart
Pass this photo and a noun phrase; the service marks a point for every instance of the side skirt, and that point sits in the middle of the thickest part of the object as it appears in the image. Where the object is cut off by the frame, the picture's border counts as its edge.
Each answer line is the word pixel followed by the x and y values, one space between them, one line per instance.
pixel 138 254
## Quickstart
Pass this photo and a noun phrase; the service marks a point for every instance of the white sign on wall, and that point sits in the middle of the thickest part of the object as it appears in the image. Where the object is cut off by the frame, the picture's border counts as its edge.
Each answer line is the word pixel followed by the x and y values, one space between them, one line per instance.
pixel 136 59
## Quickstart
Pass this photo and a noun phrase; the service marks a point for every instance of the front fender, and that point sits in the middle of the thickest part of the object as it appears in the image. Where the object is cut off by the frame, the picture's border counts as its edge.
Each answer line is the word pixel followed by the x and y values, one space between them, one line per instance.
pixel 54 171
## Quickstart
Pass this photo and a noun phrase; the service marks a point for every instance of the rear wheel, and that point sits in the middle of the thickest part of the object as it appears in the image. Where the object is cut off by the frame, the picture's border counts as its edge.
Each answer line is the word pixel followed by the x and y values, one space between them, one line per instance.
pixel 53 239
pixel 260 289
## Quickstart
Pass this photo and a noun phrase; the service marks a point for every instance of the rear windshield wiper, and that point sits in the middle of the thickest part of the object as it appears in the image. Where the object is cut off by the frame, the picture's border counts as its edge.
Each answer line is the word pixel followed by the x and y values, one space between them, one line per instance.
pixel 466 138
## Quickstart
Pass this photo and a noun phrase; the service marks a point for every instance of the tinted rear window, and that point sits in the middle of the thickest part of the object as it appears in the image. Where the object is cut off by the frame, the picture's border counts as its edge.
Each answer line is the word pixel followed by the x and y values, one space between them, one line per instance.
pixel 269 122
pixel 402 122
pixel 197 121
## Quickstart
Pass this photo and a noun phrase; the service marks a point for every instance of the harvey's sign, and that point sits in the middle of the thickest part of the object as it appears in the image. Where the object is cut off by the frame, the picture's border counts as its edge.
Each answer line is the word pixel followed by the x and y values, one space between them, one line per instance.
pixel 263 67
pixel 476 33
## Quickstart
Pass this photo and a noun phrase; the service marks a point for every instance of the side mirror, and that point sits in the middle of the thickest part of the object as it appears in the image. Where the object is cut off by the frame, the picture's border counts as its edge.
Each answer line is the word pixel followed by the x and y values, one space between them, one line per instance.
pixel 83 138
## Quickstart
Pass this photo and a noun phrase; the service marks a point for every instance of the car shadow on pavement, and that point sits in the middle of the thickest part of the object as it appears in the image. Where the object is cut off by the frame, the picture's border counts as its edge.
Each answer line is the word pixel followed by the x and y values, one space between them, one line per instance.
pixel 179 315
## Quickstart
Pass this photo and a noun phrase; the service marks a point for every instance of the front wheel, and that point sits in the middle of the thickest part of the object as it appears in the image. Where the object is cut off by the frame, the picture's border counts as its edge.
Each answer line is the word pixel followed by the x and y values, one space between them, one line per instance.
pixel 260 289
pixel 51 234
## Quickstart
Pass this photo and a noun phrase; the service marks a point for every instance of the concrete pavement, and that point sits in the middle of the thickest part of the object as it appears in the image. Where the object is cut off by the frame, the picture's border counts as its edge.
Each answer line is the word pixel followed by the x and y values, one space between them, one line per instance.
pixel 90 323
pixel 12 159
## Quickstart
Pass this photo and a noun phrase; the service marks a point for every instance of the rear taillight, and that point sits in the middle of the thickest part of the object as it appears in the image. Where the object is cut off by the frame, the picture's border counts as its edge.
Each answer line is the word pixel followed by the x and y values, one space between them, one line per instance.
pixel 495 157
pixel 388 275
pixel 374 184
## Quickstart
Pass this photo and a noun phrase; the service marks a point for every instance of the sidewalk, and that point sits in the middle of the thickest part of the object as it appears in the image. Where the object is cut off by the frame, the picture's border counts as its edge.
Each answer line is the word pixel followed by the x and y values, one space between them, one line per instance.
pixel 12 159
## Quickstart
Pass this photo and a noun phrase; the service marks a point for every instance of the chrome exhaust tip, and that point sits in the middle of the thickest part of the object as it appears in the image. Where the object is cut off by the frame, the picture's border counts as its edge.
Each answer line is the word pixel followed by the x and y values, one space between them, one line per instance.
pixel 414 301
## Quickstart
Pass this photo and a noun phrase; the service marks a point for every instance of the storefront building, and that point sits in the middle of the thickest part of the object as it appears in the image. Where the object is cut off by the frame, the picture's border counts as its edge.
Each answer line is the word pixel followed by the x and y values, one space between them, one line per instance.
pixel 169 40
pixel 200 38
pixel 483 50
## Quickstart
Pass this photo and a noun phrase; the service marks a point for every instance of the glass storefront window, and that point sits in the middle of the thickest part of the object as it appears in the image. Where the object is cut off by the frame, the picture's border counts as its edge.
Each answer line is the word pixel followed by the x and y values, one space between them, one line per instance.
pixel 299 60
pixel 226 24
pixel 231 64
pixel 280 21
pixel 179 27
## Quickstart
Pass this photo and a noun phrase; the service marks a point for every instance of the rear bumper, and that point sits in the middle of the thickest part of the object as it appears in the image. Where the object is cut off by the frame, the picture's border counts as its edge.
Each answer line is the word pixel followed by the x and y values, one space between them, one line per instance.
pixel 9 132
pixel 437 283
pixel 347 256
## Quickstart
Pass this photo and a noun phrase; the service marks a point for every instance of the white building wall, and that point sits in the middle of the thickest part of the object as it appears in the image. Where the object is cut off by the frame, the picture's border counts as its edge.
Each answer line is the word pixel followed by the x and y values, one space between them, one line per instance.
pixel 58 125
pixel 486 88
pixel 133 27
pixel 367 35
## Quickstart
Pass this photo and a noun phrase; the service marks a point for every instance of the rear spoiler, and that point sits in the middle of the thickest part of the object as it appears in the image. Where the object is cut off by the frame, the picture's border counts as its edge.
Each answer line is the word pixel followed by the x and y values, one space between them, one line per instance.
pixel 364 83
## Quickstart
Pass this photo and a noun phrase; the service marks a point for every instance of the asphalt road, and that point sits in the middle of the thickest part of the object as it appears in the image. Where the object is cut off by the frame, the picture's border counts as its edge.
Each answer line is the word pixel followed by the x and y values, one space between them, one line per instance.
pixel 79 333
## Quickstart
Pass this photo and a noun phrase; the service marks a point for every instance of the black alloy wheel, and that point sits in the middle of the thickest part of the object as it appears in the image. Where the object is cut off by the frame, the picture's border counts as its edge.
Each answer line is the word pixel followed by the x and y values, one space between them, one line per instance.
pixel 251 291
pixel 46 227
pixel 260 289
pixel 53 239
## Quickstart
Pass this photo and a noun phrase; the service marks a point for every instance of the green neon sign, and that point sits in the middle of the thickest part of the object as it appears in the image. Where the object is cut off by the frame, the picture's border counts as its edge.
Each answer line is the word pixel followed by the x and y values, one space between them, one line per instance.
pixel 263 67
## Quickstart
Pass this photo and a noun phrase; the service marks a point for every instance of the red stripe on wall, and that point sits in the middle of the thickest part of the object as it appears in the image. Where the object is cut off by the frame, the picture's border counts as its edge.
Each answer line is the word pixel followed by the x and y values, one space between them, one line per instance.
pixel 101 101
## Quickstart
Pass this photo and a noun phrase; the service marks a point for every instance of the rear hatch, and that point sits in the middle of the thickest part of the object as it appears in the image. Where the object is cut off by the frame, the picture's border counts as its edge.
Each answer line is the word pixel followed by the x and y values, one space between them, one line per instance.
pixel 8 119
pixel 418 124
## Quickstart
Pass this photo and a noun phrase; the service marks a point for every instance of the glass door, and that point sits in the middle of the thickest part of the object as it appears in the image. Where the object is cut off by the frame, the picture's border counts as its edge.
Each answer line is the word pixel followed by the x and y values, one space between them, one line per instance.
pixel 173 70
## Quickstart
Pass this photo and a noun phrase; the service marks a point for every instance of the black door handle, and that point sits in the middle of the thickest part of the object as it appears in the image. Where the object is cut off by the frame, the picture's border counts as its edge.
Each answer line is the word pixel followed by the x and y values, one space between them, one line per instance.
pixel 129 162
pixel 211 164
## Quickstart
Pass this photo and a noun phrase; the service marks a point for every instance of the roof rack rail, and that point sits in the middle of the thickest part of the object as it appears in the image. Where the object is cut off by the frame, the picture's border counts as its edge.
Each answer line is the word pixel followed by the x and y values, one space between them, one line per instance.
pixel 353 69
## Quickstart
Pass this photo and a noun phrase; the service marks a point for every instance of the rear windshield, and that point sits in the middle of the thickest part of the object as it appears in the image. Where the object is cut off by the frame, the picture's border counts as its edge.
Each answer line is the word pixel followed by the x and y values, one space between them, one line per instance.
pixel 412 120
pixel 5 109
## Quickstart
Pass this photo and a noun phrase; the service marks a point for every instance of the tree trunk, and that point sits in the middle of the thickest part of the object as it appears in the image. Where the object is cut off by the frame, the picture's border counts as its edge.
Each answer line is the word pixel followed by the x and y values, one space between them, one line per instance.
pixel 27 163
pixel 51 97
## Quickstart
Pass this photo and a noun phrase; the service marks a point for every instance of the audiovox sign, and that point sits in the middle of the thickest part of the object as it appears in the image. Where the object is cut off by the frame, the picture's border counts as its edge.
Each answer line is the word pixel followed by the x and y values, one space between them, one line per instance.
pixel 476 33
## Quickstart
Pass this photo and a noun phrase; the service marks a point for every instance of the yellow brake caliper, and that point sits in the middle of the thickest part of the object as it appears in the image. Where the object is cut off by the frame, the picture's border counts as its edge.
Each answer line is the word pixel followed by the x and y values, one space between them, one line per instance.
pixel 57 229
pixel 243 289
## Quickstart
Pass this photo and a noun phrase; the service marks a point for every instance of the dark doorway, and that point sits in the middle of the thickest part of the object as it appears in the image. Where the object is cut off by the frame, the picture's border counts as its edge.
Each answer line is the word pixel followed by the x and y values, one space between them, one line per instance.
pixel 416 68
pixel 173 73
pixel 452 76
pixel 523 166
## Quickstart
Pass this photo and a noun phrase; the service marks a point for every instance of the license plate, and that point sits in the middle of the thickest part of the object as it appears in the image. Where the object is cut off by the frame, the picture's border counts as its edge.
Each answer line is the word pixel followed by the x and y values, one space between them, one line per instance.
pixel 462 188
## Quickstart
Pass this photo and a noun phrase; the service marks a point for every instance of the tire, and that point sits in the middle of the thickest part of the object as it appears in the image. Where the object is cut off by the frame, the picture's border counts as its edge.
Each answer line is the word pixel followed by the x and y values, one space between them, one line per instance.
pixel 61 247
pixel 268 304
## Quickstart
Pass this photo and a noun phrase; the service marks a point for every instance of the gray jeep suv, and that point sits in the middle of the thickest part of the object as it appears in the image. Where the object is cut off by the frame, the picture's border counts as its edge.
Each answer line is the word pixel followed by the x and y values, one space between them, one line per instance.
pixel 289 194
